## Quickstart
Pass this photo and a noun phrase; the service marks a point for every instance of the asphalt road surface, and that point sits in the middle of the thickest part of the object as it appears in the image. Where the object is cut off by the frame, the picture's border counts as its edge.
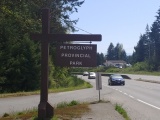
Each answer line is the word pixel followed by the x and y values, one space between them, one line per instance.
pixel 140 99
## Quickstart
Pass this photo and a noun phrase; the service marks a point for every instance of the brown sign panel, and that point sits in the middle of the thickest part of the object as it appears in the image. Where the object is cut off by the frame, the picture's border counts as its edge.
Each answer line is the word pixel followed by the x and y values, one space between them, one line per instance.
pixel 76 55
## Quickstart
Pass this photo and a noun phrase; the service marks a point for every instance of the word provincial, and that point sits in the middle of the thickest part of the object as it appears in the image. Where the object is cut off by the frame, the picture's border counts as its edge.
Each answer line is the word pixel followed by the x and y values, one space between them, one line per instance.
pixel 76 55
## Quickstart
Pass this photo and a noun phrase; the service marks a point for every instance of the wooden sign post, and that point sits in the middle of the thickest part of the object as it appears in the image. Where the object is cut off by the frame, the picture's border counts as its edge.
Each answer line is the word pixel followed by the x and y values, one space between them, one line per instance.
pixel 45 110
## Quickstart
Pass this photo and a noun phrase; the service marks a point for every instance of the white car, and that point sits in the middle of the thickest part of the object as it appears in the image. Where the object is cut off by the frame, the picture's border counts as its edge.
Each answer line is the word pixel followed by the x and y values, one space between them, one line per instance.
pixel 85 73
pixel 91 75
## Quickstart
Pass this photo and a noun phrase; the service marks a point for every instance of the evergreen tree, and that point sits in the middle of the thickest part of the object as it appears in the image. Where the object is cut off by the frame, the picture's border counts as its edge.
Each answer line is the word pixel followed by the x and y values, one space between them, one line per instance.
pixel 111 52
pixel 100 59
pixel 120 53
pixel 147 43
pixel 148 48
pixel 19 60
pixel 116 53
pixel 140 50
pixel 20 56
pixel 123 55
pixel 155 42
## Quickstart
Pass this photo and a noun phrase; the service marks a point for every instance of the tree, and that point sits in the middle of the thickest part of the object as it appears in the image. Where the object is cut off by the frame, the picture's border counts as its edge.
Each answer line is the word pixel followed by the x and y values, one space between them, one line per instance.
pixel 19 60
pixel 123 55
pixel 147 49
pixel 116 53
pixel 100 59
pixel 111 52
pixel 155 42
pixel 20 56
pixel 147 43
pixel 139 54
pixel 120 53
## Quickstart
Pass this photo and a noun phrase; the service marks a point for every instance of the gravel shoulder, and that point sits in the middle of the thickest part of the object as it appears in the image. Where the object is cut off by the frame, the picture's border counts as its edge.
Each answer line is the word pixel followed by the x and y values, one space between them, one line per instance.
pixel 101 111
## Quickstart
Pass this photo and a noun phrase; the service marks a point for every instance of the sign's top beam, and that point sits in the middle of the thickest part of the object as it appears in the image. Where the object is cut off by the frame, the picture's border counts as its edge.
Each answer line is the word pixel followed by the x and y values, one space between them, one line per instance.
pixel 67 37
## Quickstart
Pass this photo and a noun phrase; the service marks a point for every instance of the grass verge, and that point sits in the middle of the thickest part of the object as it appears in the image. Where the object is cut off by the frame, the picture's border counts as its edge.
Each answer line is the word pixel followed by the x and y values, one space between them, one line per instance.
pixel 63 111
pixel 119 109
pixel 67 111
pixel 131 70
pixel 52 90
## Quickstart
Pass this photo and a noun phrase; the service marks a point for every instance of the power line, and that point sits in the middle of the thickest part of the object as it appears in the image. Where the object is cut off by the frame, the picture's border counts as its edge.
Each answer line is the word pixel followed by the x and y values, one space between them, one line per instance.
pixel 82 30
pixel 76 26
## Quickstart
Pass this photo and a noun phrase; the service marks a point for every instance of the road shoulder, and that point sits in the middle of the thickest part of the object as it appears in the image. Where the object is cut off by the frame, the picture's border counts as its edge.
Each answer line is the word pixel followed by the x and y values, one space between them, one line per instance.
pixel 101 111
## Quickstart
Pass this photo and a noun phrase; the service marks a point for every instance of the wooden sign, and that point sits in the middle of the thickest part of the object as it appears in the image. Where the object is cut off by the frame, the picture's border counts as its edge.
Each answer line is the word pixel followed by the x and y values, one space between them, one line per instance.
pixel 45 110
pixel 76 55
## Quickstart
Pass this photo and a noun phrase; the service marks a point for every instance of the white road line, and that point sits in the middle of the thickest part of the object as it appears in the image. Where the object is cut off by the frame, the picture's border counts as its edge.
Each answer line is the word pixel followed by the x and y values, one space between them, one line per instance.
pixel 120 91
pixel 130 96
pixel 124 93
pixel 148 104
pixel 138 99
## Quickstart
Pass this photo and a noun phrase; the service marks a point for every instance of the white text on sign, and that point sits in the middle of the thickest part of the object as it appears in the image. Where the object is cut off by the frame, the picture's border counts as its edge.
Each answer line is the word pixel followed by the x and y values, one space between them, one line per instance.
pixel 75 47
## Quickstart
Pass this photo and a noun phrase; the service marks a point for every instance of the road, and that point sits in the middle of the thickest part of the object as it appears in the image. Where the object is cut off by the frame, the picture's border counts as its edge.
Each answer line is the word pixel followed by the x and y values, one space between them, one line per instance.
pixel 139 99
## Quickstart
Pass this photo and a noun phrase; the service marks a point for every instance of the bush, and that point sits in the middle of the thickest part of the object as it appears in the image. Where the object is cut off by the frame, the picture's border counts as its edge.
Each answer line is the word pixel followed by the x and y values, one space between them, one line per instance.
pixel 73 102
pixel 65 104
pixel 69 81
pixel 62 105
pixel 141 66
pixel 112 70
pixel 5 115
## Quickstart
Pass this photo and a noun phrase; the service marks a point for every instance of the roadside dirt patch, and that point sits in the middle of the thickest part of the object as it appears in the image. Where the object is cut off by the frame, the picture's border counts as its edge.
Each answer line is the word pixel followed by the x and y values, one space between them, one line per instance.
pixel 101 111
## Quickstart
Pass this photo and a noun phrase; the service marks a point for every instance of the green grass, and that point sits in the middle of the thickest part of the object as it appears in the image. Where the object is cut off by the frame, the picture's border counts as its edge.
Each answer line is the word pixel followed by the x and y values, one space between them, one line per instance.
pixel 119 109
pixel 51 90
pixel 24 115
pixel 63 111
pixel 65 104
pixel 131 70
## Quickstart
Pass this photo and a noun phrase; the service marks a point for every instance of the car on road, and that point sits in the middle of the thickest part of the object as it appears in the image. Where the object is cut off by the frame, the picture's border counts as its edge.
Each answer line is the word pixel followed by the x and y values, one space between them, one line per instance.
pixel 116 79
pixel 85 73
pixel 91 75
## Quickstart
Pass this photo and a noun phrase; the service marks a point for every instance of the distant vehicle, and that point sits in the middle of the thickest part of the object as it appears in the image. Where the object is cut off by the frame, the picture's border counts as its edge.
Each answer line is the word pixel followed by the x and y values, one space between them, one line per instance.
pixel 120 66
pixel 116 79
pixel 117 65
pixel 91 75
pixel 85 73
pixel 128 65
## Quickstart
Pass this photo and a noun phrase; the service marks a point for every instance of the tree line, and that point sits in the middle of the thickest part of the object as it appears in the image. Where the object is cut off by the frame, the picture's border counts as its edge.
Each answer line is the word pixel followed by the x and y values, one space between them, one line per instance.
pixel 148 47
pixel 19 55
pixel 113 53
pixel 146 53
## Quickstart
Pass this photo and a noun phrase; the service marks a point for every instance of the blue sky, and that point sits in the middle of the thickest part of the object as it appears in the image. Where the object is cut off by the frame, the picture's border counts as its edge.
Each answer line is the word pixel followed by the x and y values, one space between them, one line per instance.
pixel 118 21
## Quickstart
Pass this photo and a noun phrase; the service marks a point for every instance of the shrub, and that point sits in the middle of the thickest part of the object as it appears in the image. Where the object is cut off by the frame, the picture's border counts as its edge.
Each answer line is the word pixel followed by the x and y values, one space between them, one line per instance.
pixel 62 105
pixel 73 102
pixel 5 115
pixel 122 111
pixel 65 104
pixel 141 66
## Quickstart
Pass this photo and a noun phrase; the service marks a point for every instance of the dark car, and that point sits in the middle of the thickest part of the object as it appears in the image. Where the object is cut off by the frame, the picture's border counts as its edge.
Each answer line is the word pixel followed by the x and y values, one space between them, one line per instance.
pixel 116 79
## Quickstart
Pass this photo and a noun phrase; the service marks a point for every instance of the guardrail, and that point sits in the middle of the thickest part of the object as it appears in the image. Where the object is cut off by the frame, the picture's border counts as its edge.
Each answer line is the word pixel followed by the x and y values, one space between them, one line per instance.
pixel 103 74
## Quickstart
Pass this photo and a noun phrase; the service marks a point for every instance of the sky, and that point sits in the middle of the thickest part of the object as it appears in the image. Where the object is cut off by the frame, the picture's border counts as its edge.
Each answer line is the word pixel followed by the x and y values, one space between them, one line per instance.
pixel 118 21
